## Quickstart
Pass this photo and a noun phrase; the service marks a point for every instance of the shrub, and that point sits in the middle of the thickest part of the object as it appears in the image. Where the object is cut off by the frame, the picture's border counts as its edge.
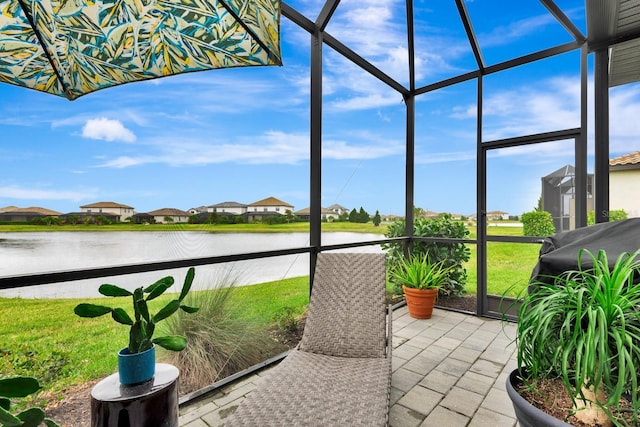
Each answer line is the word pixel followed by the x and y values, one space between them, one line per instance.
pixel 614 215
pixel 220 341
pixel 537 223
pixel 453 255
pixel 376 219
pixel 287 320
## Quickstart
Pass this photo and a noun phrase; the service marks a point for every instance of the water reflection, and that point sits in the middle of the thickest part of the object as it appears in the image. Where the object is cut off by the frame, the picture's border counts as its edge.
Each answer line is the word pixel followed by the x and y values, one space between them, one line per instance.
pixel 57 251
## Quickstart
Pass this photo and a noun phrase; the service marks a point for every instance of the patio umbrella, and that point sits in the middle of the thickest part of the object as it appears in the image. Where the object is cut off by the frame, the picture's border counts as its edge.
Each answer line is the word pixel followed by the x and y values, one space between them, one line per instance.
pixel 73 47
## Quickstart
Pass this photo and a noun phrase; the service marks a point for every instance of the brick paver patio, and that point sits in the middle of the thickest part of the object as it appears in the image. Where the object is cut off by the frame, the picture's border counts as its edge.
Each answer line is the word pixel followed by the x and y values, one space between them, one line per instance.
pixel 449 370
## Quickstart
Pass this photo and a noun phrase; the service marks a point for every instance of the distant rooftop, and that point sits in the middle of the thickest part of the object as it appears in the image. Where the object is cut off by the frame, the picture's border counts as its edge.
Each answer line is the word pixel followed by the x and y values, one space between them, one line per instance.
pixel 31 209
pixel 627 159
pixel 269 201
pixel 106 205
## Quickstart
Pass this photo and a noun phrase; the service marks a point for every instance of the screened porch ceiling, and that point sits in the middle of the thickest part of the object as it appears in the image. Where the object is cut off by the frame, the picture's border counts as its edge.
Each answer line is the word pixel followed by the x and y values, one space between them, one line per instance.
pixel 491 45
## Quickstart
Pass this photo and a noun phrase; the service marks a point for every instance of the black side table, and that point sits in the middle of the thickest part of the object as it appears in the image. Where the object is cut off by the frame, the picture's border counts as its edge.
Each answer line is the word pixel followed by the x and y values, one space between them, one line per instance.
pixel 150 404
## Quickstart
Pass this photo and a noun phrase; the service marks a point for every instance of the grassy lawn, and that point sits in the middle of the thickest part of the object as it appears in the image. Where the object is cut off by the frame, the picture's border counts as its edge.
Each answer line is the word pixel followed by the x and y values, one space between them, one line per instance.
pixel 509 265
pixel 45 339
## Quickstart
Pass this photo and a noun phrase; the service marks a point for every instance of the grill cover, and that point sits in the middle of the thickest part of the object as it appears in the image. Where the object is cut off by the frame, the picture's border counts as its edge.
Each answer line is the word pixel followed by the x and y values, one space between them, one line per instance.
pixel 559 252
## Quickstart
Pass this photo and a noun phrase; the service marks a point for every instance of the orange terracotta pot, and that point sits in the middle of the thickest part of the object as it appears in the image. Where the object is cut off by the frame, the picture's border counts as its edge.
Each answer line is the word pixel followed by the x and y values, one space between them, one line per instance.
pixel 420 301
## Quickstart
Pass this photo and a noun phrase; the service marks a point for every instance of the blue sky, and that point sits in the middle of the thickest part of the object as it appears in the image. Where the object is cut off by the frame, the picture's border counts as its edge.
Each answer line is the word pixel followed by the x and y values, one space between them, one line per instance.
pixel 243 134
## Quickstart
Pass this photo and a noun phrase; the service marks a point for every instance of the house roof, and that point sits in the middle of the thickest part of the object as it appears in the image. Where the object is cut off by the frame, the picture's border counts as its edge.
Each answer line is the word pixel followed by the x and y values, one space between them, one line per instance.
pixel 307 211
pixel 270 201
pixel 31 209
pixel 106 205
pixel 199 209
pixel 627 159
pixel 337 206
pixel 92 214
pixel 229 205
pixel 169 212
pixel 391 217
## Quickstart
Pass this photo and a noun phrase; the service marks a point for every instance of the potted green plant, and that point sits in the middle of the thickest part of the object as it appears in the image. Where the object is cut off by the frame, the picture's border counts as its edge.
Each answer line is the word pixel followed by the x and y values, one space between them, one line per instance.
pixel 420 280
pixel 21 387
pixel 582 333
pixel 136 362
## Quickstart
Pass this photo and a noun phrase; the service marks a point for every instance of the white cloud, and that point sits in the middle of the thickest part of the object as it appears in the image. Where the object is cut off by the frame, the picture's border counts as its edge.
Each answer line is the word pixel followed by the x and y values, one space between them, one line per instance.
pixel 539 106
pixel 16 192
pixel 107 130
pixel 126 161
pixel 272 147
pixel 536 152
pixel 383 117
pixel 506 34
pixel 341 150
pixel 366 102
pixel 427 158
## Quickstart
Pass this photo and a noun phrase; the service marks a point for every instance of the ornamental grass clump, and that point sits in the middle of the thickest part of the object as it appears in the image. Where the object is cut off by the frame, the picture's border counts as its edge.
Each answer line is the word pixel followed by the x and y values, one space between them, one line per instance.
pixel 584 329
pixel 222 340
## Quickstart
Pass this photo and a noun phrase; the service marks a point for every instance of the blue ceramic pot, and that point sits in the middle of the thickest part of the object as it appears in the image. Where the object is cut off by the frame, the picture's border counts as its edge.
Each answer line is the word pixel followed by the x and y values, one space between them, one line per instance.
pixel 136 368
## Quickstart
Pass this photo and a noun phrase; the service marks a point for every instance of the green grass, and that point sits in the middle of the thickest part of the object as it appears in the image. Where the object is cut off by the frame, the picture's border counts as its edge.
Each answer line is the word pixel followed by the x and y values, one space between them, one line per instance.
pixel 509 265
pixel 262 301
pixel 45 339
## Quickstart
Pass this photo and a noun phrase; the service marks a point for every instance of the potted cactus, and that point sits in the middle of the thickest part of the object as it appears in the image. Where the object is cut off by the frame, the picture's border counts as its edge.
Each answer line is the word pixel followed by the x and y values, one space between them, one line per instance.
pixel 136 362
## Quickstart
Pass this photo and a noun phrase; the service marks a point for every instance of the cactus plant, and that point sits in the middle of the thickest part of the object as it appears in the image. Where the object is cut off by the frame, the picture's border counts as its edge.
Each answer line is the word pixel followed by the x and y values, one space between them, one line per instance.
pixel 143 323
pixel 21 387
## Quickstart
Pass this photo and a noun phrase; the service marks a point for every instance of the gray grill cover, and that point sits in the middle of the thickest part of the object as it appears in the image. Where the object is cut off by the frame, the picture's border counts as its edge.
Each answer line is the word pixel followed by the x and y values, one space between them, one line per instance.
pixel 559 252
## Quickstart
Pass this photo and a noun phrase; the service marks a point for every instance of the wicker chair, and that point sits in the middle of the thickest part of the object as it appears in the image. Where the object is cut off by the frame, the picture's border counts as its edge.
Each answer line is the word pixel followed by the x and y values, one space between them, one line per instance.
pixel 340 373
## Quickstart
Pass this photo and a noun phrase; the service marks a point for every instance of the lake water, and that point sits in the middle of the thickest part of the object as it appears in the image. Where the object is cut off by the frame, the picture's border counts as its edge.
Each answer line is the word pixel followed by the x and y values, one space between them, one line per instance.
pixel 25 253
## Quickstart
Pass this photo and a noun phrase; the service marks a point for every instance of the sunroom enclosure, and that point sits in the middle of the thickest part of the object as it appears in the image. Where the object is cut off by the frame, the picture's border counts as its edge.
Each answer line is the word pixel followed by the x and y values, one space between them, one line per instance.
pixel 604 34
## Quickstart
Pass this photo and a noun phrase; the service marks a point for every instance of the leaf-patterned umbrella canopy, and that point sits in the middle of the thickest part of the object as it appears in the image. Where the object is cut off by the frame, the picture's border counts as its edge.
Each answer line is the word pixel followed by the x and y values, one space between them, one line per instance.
pixel 73 47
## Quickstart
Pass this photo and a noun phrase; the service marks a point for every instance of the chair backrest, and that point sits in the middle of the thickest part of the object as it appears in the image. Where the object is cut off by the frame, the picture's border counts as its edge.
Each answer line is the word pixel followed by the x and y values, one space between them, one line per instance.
pixel 347 310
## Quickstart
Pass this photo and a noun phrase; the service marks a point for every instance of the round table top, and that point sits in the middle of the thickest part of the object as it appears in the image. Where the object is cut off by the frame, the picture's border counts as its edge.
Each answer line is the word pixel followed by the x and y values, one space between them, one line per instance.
pixel 110 389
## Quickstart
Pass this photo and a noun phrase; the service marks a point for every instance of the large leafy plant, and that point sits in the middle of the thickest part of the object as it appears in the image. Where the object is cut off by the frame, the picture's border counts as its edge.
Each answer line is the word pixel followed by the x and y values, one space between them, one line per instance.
pixel 21 387
pixel 453 255
pixel 143 324
pixel 418 272
pixel 584 328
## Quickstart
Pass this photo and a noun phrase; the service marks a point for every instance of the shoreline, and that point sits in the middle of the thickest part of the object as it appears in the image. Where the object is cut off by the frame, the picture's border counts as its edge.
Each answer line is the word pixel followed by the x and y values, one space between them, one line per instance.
pixel 302 227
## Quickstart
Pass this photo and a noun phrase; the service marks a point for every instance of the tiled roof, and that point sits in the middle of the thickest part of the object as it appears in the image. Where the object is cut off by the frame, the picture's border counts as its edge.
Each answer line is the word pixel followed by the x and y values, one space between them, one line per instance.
pixel 32 209
pixel 270 201
pixel 307 211
pixel 168 212
pixel 627 159
pixel 228 205
pixel 337 206
pixel 106 205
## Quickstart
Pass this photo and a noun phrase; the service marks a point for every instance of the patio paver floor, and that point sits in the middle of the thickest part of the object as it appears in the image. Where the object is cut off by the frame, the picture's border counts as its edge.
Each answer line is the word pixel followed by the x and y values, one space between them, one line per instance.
pixel 449 370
